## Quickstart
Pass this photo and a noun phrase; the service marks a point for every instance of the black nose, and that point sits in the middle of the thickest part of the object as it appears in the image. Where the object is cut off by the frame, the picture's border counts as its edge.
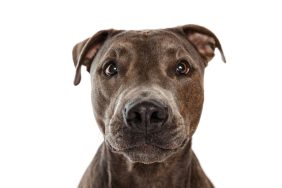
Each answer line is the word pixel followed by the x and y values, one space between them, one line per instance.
pixel 145 116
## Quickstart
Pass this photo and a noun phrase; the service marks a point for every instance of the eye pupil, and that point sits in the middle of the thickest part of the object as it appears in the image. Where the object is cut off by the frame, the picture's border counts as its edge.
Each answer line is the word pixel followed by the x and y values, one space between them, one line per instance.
pixel 111 69
pixel 180 68
pixel 183 67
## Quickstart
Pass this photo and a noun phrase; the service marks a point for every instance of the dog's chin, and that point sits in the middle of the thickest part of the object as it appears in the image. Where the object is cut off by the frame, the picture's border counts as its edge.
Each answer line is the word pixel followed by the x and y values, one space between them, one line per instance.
pixel 147 154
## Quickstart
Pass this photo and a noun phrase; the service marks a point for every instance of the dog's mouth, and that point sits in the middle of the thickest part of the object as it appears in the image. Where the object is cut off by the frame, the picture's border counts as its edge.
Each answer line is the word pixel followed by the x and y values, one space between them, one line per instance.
pixel 146 146
pixel 147 153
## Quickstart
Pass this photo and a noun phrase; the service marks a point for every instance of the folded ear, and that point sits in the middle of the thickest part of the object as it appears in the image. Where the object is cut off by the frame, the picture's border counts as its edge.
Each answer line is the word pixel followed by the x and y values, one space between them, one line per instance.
pixel 203 40
pixel 84 52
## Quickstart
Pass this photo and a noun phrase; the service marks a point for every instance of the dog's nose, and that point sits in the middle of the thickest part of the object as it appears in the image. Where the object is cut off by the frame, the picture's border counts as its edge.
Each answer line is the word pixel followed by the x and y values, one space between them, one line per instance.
pixel 145 116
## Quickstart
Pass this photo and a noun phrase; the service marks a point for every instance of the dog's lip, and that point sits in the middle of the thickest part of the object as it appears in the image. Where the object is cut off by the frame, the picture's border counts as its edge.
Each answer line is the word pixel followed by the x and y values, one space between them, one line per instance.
pixel 144 145
pixel 151 146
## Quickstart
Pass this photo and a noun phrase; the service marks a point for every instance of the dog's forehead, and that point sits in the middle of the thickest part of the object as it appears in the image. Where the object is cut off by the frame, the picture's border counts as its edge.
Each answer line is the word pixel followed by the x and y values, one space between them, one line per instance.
pixel 157 38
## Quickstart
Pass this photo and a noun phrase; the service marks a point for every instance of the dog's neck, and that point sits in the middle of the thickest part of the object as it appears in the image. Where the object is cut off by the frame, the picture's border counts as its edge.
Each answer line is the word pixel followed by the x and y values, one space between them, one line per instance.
pixel 180 169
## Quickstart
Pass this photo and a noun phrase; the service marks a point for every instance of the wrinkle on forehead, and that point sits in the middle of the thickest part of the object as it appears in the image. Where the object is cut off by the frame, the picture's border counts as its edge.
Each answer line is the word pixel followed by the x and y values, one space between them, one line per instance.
pixel 117 50
pixel 160 41
pixel 120 47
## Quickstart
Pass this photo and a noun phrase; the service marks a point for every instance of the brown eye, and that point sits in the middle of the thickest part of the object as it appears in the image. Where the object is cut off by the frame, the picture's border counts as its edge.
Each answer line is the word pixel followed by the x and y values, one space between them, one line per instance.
pixel 183 67
pixel 111 68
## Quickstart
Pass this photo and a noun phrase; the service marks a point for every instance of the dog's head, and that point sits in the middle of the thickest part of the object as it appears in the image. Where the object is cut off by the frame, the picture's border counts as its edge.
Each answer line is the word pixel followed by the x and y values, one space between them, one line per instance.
pixel 147 87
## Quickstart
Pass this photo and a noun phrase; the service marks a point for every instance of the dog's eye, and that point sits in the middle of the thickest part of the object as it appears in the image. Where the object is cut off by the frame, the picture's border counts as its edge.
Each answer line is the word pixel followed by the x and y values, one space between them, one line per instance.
pixel 183 67
pixel 111 68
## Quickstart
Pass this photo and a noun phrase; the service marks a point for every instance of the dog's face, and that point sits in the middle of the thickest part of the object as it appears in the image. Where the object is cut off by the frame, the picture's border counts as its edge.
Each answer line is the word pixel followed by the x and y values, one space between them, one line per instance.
pixel 147 87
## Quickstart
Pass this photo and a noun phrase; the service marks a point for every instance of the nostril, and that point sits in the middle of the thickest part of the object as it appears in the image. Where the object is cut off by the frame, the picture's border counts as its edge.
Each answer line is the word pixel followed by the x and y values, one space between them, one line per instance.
pixel 134 117
pixel 154 117
pixel 158 116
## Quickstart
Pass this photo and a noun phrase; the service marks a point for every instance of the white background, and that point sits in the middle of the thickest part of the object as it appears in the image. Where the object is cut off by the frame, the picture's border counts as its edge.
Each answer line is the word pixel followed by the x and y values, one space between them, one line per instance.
pixel 48 134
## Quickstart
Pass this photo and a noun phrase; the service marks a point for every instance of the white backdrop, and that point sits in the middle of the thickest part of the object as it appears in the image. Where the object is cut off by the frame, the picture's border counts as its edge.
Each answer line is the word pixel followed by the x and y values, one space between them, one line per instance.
pixel 48 134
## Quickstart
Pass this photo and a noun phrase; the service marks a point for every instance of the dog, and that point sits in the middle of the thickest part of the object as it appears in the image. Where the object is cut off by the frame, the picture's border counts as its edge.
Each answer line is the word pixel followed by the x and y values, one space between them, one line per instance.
pixel 147 96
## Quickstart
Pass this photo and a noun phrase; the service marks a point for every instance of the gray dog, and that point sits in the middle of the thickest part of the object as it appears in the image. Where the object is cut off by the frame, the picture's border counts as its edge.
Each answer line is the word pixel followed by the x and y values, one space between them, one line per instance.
pixel 147 95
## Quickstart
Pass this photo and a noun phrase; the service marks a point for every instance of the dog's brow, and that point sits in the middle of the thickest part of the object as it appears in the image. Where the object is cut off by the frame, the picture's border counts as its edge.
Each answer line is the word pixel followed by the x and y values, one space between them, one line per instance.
pixel 119 50
pixel 171 50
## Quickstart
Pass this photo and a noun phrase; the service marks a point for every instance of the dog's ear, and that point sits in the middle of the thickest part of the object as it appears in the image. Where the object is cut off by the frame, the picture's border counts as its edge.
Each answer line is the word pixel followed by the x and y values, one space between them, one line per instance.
pixel 203 40
pixel 84 52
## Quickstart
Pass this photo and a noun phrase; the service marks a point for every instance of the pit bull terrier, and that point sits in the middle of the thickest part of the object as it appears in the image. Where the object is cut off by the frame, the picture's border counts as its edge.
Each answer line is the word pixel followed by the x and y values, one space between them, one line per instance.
pixel 147 96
